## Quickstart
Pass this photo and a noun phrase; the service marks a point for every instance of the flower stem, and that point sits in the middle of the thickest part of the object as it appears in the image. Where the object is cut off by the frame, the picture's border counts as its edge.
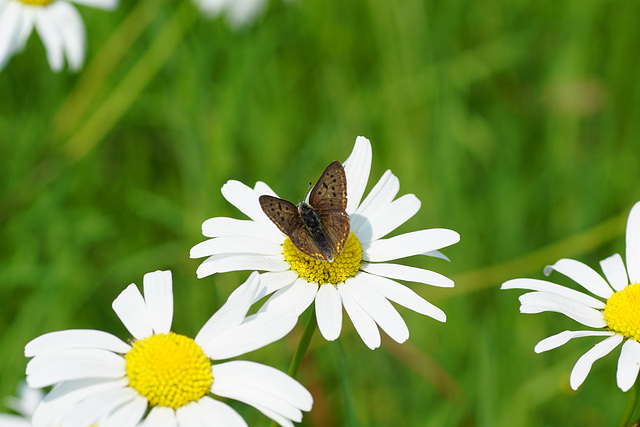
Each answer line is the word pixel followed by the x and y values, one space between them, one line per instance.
pixel 304 343
pixel 630 406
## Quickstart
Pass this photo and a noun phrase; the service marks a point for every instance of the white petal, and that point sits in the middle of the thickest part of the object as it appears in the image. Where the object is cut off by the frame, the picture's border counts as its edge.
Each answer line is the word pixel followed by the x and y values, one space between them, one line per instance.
pixel 246 200
pixel 75 338
pixel 538 302
pixel 388 219
pixel 64 365
pixel 51 38
pixel 329 312
pixel 380 310
pixel 232 312
pixel 411 274
pixel 71 29
pixel 236 262
pixel 357 168
pixel 380 196
pixel 160 416
pixel 253 383
pixel 11 18
pixel 64 396
pixel 225 227
pixel 99 4
pixel 628 364
pixel 583 365
pixel 14 421
pixel 273 280
pixel 582 274
pixel 297 296
pixel 402 295
pixel 127 415
pixel 404 245
pixel 189 416
pixel 362 321
pixel 235 244
pixel 158 296
pixel 260 330
pixel 563 337
pixel 222 413
pixel 543 285
pixel 28 398
pixel 99 404
pixel 614 271
pixel 633 244
pixel 132 311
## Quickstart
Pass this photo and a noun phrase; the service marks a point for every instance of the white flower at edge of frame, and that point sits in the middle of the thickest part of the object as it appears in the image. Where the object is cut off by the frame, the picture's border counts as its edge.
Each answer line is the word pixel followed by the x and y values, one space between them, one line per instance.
pixel 257 244
pixel 58 24
pixel 95 379
pixel 591 311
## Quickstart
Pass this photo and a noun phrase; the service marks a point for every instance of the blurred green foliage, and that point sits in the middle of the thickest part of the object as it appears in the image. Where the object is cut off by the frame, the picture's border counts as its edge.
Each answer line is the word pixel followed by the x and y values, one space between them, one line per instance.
pixel 515 122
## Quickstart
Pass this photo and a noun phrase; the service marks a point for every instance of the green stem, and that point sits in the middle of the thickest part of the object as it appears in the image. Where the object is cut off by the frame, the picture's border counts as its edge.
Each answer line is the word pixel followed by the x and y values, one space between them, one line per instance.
pixel 302 348
pixel 630 406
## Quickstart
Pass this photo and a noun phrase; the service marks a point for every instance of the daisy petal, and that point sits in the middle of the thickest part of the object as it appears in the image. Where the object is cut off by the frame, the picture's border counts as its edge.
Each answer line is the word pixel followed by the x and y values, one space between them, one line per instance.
pixel 633 244
pixel 298 296
pixel 225 227
pixel 189 416
pixel 72 31
pixel 411 274
pixel 388 219
pixel 236 244
pixel 132 311
pixel 380 196
pixel 628 364
pixel 51 38
pixel 362 322
pixel 404 245
pixel 237 262
pixel 583 365
pixel 329 312
pixel 99 4
pixel 380 310
pixel 75 338
pixel 64 365
pixel 98 404
pixel 273 280
pixel 161 416
pixel 10 19
pixel 404 296
pixel 614 271
pixel 221 412
pixel 582 274
pixel 127 415
pixel 246 200
pixel 158 296
pixel 563 337
pixel 538 302
pixel 543 285
pixel 357 168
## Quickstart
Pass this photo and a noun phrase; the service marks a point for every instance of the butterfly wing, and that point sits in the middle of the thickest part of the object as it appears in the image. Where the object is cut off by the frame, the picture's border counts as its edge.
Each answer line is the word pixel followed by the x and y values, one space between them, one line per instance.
pixel 330 192
pixel 337 227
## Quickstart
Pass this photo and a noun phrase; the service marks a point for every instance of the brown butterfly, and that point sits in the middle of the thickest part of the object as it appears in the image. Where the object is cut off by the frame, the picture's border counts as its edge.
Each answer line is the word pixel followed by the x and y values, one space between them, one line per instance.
pixel 321 227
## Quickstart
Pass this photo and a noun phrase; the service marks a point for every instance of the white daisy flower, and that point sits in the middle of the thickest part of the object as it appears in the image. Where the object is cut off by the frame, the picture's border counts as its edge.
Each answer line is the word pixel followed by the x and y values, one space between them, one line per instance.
pixel 25 405
pixel 58 23
pixel 613 313
pixel 360 279
pixel 239 13
pixel 98 377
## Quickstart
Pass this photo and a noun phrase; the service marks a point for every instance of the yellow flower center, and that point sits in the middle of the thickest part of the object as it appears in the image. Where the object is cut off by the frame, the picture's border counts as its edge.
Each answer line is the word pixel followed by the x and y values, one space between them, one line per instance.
pixel 37 2
pixel 343 266
pixel 169 370
pixel 622 312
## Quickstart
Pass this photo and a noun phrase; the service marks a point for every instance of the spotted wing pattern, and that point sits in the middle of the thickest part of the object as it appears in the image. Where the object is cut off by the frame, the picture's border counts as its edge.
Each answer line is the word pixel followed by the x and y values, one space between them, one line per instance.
pixel 330 192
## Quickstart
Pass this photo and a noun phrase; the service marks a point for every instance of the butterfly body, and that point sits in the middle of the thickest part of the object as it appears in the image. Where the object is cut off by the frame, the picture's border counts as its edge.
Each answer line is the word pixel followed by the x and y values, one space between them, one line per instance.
pixel 321 227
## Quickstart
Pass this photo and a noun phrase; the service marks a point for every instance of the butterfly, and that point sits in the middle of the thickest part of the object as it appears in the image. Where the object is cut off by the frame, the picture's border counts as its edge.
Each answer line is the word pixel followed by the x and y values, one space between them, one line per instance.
pixel 321 227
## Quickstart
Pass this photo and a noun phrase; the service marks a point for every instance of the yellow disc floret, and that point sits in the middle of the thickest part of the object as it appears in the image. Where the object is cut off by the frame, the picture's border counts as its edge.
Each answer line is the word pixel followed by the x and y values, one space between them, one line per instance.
pixel 622 312
pixel 343 266
pixel 169 370
pixel 36 2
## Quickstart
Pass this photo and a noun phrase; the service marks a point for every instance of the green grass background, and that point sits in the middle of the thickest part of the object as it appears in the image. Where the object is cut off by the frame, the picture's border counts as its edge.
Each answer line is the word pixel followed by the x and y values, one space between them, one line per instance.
pixel 515 122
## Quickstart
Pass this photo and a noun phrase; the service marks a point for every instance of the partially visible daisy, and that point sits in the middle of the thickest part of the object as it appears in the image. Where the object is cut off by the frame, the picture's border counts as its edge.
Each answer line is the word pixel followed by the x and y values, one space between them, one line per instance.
pixel 58 23
pixel 614 313
pixel 360 279
pixel 239 13
pixel 24 404
pixel 98 377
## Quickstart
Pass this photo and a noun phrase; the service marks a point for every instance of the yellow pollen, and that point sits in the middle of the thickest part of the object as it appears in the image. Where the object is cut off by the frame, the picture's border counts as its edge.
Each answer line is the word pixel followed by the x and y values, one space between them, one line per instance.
pixel 37 2
pixel 343 266
pixel 622 312
pixel 169 370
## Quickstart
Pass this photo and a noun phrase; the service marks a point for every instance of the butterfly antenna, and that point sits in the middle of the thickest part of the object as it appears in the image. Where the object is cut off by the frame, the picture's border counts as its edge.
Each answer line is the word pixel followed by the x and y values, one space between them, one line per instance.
pixel 306 193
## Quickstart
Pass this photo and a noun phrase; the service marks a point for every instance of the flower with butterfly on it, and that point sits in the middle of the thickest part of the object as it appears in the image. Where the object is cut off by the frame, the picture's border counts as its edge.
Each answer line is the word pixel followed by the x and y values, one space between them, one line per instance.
pixel 99 378
pixel 58 23
pixel 360 278
pixel 612 313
